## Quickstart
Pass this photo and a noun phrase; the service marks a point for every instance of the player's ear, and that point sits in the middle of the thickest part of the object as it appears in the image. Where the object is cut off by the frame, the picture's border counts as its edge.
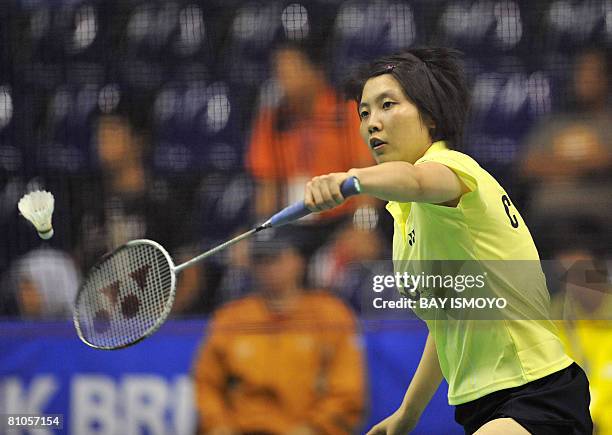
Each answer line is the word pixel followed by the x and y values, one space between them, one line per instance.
pixel 429 123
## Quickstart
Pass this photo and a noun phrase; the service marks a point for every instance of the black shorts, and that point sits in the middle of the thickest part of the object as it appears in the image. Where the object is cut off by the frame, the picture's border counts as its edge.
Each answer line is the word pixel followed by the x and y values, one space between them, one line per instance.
pixel 557 404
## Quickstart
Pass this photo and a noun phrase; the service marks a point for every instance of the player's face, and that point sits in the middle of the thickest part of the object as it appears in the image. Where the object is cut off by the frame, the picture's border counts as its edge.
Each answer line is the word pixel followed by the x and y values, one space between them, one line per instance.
pixel 390 123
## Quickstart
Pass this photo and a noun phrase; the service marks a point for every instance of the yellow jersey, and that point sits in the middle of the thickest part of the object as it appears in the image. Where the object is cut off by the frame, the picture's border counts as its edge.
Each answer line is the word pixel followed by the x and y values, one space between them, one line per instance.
pixel 478 357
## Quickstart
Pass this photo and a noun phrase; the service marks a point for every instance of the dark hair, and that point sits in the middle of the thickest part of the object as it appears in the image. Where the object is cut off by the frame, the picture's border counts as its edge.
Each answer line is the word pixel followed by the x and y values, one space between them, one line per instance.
pixel 433 79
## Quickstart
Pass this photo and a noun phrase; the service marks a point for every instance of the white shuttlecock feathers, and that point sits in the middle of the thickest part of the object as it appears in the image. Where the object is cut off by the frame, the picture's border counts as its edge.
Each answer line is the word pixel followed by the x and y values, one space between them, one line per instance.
pixel 37 207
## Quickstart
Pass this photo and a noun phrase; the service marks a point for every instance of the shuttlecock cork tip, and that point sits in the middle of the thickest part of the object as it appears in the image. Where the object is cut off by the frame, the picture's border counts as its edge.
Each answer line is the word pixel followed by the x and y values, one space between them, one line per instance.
pixel 37 207
pixel 46 235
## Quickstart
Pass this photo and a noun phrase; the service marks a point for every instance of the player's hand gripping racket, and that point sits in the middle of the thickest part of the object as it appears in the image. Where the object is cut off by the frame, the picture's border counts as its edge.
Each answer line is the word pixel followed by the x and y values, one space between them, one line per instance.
pixel 129 293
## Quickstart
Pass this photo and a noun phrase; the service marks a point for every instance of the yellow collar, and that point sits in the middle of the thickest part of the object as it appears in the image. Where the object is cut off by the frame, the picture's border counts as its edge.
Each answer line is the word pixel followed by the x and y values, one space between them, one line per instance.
pixel 436 146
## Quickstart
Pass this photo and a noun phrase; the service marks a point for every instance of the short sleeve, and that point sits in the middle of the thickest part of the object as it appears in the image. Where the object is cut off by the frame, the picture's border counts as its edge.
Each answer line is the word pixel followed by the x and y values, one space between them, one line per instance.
pixel 462 165
pixel 468 171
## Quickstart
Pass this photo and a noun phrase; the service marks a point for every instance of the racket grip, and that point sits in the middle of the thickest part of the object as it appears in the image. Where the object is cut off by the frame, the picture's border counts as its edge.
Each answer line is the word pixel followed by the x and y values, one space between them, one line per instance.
pixel 298 210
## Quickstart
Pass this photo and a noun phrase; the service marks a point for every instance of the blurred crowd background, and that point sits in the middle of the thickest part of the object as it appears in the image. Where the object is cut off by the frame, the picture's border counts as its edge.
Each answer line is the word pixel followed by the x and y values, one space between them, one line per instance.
pixel 186 122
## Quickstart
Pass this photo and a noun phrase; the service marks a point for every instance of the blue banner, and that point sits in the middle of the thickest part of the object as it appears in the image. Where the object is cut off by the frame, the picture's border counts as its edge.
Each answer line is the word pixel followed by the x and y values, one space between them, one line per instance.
pixel 146 389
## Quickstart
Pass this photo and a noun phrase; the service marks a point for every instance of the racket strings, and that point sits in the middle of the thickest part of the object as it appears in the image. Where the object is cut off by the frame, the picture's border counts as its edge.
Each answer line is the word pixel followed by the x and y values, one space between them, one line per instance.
pixel 126 297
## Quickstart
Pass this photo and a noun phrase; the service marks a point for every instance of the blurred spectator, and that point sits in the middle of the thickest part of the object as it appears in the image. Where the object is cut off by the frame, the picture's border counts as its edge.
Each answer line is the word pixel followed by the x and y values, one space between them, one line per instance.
pixel 312 131
pixel 43 283
pixel 281 361
pixel 340 264
pixel 584 306
pixel 127 202
pixel 569 157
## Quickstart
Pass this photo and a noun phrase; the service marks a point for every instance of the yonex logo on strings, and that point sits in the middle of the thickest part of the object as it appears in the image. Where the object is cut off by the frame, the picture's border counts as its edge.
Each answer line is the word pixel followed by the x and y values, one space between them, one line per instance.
pixel 130 304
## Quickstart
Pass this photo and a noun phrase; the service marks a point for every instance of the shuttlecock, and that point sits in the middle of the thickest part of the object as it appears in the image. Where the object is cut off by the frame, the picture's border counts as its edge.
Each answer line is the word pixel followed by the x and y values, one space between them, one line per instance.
pixel 37 207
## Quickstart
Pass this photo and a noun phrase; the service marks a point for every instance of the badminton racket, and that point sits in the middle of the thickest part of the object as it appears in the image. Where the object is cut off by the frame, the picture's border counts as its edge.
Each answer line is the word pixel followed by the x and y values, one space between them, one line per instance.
pixel 129 293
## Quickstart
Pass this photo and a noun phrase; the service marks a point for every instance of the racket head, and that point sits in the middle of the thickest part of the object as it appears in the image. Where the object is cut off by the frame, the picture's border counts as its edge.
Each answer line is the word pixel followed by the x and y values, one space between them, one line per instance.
pixel 126 296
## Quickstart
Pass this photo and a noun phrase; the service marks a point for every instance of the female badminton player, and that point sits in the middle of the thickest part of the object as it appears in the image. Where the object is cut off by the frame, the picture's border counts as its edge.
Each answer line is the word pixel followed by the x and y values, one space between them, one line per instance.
pixel 510 377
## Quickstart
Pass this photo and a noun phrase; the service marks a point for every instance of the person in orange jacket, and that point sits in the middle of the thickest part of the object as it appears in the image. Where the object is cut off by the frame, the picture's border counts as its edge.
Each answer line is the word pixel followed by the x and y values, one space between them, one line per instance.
pixel 312 130
pixel 283 360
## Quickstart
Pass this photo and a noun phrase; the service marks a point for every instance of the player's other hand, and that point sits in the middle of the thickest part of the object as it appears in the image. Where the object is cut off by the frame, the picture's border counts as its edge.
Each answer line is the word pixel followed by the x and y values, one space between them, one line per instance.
pixel 323 192
pixel 396 424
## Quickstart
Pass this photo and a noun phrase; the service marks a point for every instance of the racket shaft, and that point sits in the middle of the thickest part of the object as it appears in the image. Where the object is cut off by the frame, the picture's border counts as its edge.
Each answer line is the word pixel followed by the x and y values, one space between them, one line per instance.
pixel 214 250
pixel 349 187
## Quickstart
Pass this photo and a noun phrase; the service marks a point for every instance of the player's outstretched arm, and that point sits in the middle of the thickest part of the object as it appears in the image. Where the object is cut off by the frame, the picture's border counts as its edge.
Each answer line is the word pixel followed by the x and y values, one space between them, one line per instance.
pixel 424 384
pixel 404 182
pixel 390 181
